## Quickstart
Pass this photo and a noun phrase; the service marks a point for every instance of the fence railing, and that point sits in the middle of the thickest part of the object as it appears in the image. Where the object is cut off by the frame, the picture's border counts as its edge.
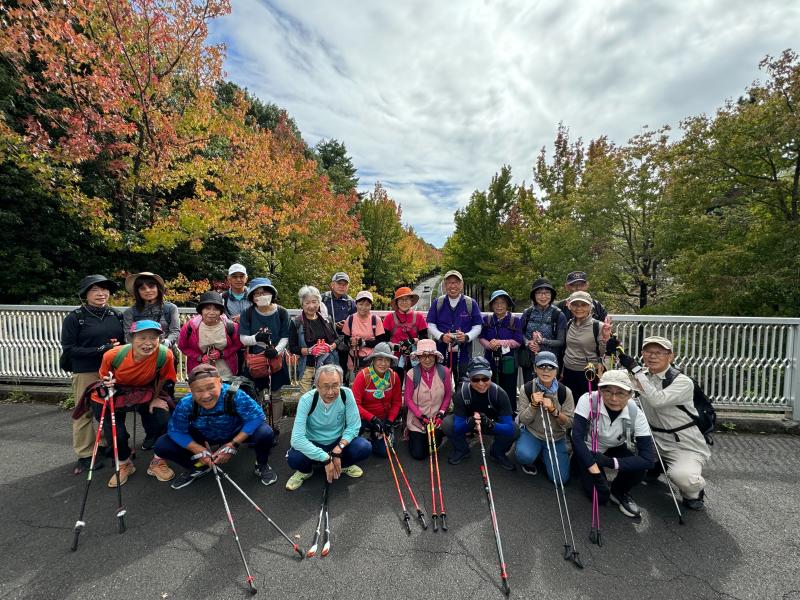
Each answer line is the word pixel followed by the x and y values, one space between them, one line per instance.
pixel 752 363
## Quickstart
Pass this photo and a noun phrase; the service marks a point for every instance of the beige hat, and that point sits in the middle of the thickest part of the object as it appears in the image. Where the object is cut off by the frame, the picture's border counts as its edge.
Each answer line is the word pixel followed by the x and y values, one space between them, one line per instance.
pixel 580 297
pixel 365 295
pixel 131 279
pixel 452 273
pixel 616 377
pixel 657 339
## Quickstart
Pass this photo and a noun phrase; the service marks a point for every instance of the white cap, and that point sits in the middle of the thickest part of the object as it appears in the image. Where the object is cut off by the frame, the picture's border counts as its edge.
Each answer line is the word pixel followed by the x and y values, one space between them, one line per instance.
pixel 236 268
pixel 616 377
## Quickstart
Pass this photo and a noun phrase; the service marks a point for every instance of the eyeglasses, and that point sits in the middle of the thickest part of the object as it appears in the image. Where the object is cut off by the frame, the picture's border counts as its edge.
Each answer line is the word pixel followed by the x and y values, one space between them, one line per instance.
pixel 479 379
pixel 609 393
pixel 656 352
pixel 546 367
pixel 329 387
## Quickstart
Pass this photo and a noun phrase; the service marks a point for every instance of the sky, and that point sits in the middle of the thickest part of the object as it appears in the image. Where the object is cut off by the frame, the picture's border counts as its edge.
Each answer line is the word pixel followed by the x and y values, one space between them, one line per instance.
pixel 431 98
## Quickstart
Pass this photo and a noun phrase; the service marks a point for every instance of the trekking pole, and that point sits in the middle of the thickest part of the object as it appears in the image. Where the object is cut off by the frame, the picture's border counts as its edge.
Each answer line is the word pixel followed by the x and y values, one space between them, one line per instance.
pixel 406 517
pixel 133 450
pixel 434 516
pixel 442 512
pixel 326 547
pixel 120 511
pixel 252 587
pixel 420 512
pixel 570 550
pixel 594 417
pixel 295 546
pixel 270 415
pixel 487 487
pixel 80 523
pixel 313 550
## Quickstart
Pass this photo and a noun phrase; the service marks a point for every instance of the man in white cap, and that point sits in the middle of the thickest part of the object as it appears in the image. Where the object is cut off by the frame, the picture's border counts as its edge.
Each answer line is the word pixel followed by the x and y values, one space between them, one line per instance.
pixel 668 399
pixel 339 306
pixel 235 297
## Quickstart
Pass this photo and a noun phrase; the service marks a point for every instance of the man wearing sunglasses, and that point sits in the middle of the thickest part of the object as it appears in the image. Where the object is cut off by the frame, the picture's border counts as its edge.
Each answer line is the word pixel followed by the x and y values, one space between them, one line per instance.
pixel 480 395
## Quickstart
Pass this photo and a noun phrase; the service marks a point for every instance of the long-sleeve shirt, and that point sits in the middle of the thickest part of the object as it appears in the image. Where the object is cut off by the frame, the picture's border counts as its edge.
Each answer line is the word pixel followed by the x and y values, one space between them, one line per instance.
pixel 447 315
pixel 326 425
pixel 81 342
pixel 426 377
pixel 498 409
pixel 582 346
pixel 214 423
pixel 532 417
pixel 166 314
pixel 550 323
pixel 368 405
pixel 507 331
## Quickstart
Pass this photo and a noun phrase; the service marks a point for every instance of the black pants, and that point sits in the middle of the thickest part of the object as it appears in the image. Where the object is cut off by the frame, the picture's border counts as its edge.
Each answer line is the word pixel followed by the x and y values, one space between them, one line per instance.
pixel 154 424
pixel 622 484
pixel 577 382
pixel 418 443
pixel 507 381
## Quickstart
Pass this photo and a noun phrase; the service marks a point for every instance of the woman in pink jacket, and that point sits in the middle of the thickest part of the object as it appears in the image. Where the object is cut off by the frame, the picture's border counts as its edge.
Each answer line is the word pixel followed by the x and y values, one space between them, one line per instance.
pixel 210 337
pixel 427 395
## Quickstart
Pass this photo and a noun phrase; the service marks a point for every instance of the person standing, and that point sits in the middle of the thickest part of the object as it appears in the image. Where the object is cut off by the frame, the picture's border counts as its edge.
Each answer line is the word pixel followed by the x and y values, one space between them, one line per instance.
pixel 585 344
pixel 209 337
pixel 235 297
pixel 405 327
pixel 577 281
pixel 148 291
pixel 362 331
pixel 339 306
pixel 501 336
pixel 544 327
pixel 311 337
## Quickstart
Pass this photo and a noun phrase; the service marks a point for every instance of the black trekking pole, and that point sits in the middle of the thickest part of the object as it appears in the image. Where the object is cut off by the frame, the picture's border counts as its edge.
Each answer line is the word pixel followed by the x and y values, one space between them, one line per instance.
pixel 80 523
pixel 120 511
pixel 270 413
pixel 295 546
pixel 315 543
pixel 250 584
pixel 487 487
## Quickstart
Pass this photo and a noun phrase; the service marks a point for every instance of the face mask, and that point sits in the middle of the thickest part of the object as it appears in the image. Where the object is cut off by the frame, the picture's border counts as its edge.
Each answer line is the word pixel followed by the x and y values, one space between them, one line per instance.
pixel 264 300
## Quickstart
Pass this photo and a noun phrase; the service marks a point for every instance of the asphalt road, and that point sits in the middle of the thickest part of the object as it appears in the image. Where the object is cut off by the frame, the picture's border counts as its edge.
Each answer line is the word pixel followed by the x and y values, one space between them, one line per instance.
pixel 425 297
pixel 178 544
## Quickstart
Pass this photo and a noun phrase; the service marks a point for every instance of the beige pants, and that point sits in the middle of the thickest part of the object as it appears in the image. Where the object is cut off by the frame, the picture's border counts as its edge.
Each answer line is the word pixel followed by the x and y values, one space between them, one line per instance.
pixel 277 404
pixel 307 382
pixel 83 428
pixel 685 470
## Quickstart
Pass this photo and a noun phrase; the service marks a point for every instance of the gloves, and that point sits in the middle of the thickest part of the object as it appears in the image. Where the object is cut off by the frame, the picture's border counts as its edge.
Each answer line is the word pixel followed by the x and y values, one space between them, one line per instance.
pixel 602 460
pixel 387 426
pixel 425 420
pixel 271 352
pixel 437 421
pixel 601 483
pixel 627 361
pixel 317 349
pixel 612 345
pixel 213 354
pixel 487 424
pixel 377 424
pixel 205 359
pixel 262 337
pixel 104 348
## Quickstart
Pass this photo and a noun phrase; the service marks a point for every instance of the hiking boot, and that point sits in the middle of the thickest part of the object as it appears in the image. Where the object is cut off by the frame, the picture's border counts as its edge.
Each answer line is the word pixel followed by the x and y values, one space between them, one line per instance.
pixel 456 457
pixel 353 471
pixel 695 503
pixel 265 474
pixel 530 470
pixel 160 470
pixel 503 461
pixel 296 480
pixel 189 477
pixel 126 469
pixel 627 506
pixel 149 442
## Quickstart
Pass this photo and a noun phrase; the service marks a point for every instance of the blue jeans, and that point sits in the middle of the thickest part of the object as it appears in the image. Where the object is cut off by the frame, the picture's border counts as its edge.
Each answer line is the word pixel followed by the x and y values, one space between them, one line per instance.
pixel 260 441
pixel 529 447
pixel 355 452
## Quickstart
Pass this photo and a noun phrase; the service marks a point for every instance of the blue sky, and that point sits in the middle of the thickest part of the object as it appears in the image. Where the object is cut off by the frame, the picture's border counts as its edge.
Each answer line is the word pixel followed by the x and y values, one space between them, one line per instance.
pixel 432 98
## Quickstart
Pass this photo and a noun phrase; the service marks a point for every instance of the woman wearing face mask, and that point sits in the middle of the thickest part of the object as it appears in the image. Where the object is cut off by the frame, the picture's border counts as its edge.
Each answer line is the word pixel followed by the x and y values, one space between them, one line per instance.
pixel 264 327
pixel 87 333
pixel 311 337
pixel 148 291
pixel 210 337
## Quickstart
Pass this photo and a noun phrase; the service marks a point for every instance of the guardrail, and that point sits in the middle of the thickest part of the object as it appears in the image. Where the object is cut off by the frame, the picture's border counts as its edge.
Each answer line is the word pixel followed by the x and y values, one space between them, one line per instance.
pixel 743 362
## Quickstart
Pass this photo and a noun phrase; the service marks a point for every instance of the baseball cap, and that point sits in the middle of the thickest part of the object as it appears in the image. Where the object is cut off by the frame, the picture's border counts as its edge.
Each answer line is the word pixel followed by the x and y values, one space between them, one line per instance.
pixel 341 275
pixel 139 326
pixel 616 377
pixel 546 358
pixel 236 268
pixel 202 371
pixel 580 297
pixel 576 276
pixel 453 273
pixel 657 339
pixel 364 294
pixel 479 366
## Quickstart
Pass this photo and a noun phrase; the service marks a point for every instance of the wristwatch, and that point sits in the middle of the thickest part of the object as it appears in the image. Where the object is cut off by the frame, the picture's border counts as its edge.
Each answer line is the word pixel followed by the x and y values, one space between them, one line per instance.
pixel 329 461
pixel 342 445
pixel 235 444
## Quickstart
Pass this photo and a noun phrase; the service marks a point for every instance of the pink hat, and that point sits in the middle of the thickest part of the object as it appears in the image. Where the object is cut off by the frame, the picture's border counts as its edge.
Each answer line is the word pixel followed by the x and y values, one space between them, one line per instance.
pixel 427 347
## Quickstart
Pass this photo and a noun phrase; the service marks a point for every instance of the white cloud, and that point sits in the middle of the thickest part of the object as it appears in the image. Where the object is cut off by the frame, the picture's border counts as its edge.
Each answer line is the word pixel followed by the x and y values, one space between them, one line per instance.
pixel 432 98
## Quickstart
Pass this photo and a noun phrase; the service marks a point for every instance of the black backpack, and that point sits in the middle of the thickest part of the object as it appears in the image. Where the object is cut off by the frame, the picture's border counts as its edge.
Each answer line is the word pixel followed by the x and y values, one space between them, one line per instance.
pixel 315 400
pixel 706 419
pixel 237 383
pixel 466 394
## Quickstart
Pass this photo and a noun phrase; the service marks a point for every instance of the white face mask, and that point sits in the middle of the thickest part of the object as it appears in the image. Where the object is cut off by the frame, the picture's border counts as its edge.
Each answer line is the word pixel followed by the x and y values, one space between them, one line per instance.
pixel 264 300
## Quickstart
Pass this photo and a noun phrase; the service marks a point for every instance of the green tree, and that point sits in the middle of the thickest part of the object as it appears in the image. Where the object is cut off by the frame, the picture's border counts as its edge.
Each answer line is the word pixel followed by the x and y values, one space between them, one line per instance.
pixel 334 162
pixel 383 232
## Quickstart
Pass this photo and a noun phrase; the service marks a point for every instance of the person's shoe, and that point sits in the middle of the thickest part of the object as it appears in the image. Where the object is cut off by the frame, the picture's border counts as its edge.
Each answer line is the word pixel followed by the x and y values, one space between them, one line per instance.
pixel 266 474
pixel 457 457
pixel 627 506
pixel 695 503
pixel 149 442
pixel 296 480
pixel 353 471
pixel 126 469
pixel 189 477
pixel 503 461
pixel 160 470
pixel 276 436
pixel 84 463
pixel 530 470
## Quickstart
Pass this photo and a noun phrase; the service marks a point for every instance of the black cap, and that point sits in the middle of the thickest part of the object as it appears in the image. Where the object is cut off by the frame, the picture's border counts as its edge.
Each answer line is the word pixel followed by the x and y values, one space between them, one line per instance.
pixel 576 276
pixel 100 280
pixel 210 298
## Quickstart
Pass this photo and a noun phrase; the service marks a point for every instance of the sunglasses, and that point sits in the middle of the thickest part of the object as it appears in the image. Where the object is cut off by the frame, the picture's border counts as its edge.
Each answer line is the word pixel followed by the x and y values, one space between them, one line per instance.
pixel 546 367
pixel 479 379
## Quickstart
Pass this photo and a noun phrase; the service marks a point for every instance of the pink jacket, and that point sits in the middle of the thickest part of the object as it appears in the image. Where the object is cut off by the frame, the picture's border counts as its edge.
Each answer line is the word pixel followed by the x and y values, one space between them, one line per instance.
pixel 189 344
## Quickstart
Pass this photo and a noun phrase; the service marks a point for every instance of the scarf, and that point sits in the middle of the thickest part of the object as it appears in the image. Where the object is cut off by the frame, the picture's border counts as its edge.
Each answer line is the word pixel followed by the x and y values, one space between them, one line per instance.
pixel 553 389
pixel 380 383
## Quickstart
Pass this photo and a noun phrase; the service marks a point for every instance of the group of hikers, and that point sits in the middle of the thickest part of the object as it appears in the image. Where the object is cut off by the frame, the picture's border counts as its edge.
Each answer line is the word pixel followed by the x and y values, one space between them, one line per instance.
pixel 367 382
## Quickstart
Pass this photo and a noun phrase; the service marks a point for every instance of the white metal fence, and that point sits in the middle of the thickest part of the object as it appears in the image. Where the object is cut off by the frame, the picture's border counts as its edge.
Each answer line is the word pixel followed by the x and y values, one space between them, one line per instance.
pixel 752 363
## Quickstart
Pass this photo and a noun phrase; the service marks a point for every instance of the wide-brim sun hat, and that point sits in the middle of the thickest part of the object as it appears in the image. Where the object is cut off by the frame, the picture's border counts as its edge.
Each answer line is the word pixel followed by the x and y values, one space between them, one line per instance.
pixel 403 292
pixel 130 280
pixel 382 350
pixel 100 280
pixel 426 346
pixel 207 298
pixel 617 378
pixel 261 282
pixel 502 294
pixel 540 283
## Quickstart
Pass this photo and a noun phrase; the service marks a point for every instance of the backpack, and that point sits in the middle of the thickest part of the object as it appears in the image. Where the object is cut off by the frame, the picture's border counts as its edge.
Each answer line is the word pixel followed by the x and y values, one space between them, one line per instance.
pixel 437 303
pixel 229 403
pixel 65 361
pixel 416 374
pixel 561 394
pixel 706 418
pixel 524 355
pixel 315 400
pixel 629 426
pixel 466 394
pixel 595 332
pixel 396 324
pixel 161 359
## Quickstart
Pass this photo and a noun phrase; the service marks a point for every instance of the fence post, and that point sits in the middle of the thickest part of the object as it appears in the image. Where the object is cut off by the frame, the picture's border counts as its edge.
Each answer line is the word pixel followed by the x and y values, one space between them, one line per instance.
pixel 792 389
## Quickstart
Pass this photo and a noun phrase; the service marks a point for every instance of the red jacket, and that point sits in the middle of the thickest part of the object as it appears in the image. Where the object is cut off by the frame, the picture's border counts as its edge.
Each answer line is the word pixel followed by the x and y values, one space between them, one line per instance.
pixel 368 406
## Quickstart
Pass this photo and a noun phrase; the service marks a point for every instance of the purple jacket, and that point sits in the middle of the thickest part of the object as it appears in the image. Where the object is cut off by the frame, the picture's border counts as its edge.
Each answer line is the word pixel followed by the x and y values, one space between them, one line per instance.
pixel 508 330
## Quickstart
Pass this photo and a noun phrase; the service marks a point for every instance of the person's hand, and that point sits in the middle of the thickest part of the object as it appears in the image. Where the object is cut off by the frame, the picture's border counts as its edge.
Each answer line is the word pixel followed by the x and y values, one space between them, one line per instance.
pixel 494 344
pixel 235 318
pixel 547 404
pixel 532 346
pixel 612 345
pixel 600 482
pixel 447 338
pixel 388 426
pixel 537 398
pixel 487 424
pixel 205 359
pixel 106 347
pixel 205 457
pixel 354 341
pixel 271 352
pixel 224 453
pixel 158 403
pixel 109 379
pixel 262 337
pixel 316 350
pixel 213 354
pixel 437 421
pixel 377 424
pixel 460 337
pixel 424 420
pixel 605 332
pixel 627 361
pixel 601 460
pixel 333 469
pixel 339 325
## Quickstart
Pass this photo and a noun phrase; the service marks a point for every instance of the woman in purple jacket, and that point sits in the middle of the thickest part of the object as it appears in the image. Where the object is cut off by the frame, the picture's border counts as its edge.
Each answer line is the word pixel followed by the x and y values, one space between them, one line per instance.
pixel 501 336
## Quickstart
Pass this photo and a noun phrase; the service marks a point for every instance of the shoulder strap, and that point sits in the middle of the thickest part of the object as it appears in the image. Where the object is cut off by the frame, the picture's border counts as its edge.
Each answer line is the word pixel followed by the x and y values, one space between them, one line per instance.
pixel 374 325
pixel 440 371
pixel 493 388
pixel 466 395
pixel 350 323
pixel 528 389
pixel 314 401
pixel 123 352
pixel 416 374
pixel 562 394
pixel 596 333
pixel 670 376
pixel 468 301
pixel 161 359
pixel 555 317
pixel 230 397
pixel 229 328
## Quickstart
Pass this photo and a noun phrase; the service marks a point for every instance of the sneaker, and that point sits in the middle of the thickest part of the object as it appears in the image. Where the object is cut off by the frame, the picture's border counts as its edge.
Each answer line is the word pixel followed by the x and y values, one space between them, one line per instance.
pixel 160 470
pixel 126 469
pixel 695 503
pixel 627 506
pixel 296 480
pixel 189 477
pixel 530 470
pixel 503 461
pixel 149 442
pixel 456 457
pixel 266 474
pixel 353 471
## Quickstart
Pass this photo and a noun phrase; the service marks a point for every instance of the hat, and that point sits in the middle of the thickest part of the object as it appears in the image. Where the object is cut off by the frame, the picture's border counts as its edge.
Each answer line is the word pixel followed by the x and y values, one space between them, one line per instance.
pixel 542 283
pixel 260 282
pixel 580 297
pixel 130 280
pixel 202 371
pixel 657 339
pixel 403 292
pixel 145 325
pixel 546 358
pixel 616 377
pixel 453 273
pixel 382 350
pixel 340 276
pixel 479 366
pixel 365 294
pixel 576 276
pixel 426 346
pixel 236 268
pixel 100 280
pixel 210 298
pixel 502 294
